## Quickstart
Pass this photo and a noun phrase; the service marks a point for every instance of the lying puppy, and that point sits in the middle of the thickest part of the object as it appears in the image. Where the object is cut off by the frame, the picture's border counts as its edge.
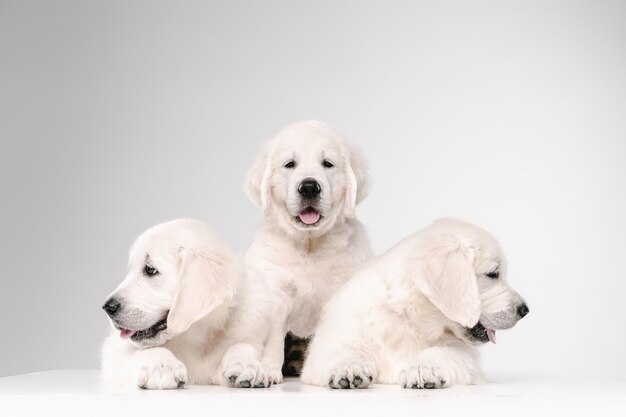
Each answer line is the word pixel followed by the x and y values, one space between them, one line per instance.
pixel 411 315
pixel 308 183
pixel 170 312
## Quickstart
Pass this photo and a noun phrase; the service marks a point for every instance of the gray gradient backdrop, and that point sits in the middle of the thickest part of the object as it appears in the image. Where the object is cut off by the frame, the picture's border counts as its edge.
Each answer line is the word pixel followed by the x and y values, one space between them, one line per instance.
pixel 115 115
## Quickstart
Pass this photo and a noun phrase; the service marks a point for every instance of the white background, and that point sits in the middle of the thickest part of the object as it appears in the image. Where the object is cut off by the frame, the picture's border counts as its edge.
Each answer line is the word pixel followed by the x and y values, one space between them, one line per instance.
pixel 116 115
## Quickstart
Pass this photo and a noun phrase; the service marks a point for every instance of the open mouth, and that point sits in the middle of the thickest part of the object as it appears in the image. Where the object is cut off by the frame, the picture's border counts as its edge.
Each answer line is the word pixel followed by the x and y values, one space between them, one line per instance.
pixel 150 332
pixel 309 216
pixel 482 333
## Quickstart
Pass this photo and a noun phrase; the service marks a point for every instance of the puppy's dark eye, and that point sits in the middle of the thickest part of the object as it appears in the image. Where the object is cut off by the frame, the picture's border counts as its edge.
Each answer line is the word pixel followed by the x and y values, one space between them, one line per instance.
pixel 150 271
pixel 327 164
pixel 493 275
pixel 290 164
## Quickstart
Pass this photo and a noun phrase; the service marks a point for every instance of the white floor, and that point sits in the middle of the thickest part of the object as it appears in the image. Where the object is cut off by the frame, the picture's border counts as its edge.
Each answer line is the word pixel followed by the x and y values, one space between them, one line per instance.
pixel 79 392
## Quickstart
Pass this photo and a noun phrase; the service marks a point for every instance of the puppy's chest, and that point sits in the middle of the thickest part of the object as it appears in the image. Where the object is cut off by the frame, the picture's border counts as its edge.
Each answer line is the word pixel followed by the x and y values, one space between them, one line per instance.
pixel 310 284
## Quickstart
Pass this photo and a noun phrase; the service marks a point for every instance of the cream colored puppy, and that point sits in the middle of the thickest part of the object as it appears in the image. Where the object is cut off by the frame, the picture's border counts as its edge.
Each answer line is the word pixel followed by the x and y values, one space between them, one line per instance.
pixel 170 313
pixel 412 315
pixel 308 182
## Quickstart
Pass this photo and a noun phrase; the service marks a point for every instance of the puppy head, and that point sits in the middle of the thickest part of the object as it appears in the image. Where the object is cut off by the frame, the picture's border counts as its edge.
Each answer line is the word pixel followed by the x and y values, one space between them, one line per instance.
pixel 307 178
pixel 463 273
pixel 178 272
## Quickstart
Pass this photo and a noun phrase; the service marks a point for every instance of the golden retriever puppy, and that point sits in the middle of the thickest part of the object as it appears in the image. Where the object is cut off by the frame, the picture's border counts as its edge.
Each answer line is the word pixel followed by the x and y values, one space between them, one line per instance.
pixel 170 313
pixel 413 315
pixel 308 182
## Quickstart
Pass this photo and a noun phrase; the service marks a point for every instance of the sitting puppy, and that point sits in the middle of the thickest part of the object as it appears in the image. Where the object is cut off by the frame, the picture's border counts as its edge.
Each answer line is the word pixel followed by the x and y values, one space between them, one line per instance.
pixel 171 311
pixel 411 315
pixel 308 183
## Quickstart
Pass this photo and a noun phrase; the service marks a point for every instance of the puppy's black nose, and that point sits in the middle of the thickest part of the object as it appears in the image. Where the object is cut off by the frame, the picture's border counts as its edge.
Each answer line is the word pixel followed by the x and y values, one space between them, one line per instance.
pixel 522 310
pixel 111 306
pixel 309 188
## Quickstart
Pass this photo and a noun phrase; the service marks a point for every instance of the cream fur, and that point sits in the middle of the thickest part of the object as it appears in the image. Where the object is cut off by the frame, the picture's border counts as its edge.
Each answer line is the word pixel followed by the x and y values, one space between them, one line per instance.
pixel 403 318
pixel 199 282
pixel 301 266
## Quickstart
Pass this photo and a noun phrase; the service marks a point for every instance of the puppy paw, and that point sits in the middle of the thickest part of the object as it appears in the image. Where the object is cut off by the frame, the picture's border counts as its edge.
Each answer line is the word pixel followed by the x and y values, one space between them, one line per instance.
pixel 167 373
pixel 248 374
pixel 275 375
pixel 351 375
pixel 423 376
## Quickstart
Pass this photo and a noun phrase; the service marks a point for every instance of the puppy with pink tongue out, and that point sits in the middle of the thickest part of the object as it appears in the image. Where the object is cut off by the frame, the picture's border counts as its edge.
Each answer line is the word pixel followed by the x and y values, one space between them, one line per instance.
pixel 170 314
pixel 308 182
pixel 422 308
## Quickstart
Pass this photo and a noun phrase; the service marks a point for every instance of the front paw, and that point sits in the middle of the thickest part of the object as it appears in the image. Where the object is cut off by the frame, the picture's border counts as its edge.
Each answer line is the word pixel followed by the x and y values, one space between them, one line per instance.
pixel 351 375
pixel 248 374
pixel 275 375
pixel 167 373
pixel 423 376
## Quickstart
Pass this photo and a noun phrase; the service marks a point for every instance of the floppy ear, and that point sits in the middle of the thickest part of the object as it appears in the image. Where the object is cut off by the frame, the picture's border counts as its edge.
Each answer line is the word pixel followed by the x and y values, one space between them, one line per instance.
pixel 448 279
pixel 205 283
pixel 357 179
pixel 257 185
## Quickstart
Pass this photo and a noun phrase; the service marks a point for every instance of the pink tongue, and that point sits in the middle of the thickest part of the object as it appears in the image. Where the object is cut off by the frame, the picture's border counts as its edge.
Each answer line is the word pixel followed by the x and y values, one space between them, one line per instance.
pixel 491 334
pixel 309 216
pixel 125 333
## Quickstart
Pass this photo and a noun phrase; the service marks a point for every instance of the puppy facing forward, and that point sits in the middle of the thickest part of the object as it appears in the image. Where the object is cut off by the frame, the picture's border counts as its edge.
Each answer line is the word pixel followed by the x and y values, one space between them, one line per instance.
pixel 170 312
pixel 308 182
pixel 414 315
